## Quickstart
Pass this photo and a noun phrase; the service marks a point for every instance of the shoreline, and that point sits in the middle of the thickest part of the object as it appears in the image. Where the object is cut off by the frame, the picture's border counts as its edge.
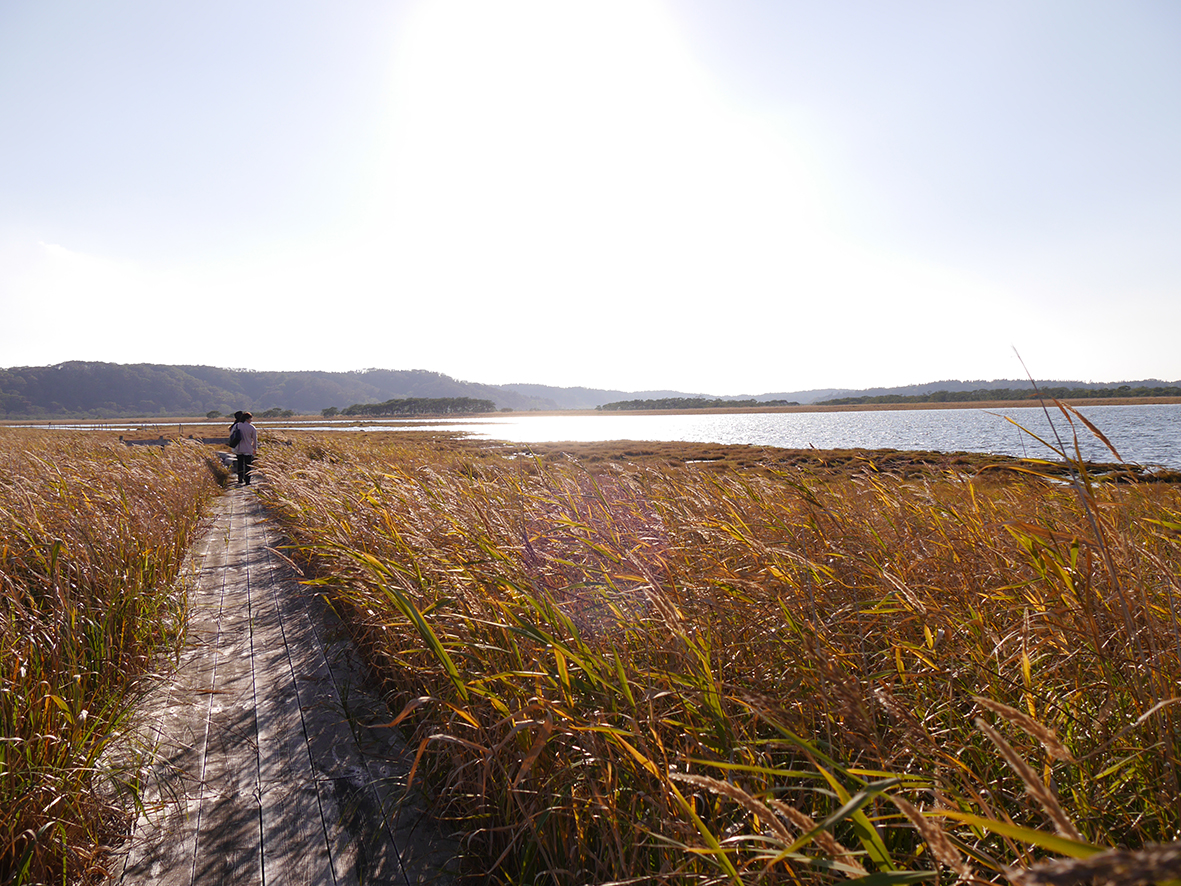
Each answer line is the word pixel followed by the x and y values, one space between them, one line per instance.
pixel 160 421
pixel 875 407
pixel 623 450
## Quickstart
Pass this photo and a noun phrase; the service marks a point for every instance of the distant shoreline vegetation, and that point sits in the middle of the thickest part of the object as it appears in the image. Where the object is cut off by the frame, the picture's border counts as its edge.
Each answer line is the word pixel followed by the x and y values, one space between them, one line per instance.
pixel 689 403
pixel 1056 393
pixel 419 406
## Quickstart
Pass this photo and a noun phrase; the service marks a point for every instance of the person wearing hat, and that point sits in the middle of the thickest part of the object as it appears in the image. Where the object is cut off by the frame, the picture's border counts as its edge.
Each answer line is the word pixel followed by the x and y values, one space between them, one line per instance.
pixel 246 446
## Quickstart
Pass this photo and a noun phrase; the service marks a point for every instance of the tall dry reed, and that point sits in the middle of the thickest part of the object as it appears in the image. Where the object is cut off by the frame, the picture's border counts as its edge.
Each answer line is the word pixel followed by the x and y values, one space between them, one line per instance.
pixel 92 535
pixel 681 674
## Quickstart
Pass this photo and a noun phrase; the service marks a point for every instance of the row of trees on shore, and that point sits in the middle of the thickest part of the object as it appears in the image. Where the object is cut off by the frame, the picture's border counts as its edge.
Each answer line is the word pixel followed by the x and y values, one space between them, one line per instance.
pixel 1057 393
pixel 417 406
pixel 688 403
pixel 976 396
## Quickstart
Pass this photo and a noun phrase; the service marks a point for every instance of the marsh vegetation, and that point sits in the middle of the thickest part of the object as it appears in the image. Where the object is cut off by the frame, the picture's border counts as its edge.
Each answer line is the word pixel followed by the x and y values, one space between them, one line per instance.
pixel 92 536
pixel 621 668
pixel 648 662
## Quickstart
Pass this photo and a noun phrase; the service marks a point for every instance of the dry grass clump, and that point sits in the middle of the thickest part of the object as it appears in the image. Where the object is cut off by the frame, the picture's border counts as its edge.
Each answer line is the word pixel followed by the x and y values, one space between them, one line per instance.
pixel 685 674
pixel 92 535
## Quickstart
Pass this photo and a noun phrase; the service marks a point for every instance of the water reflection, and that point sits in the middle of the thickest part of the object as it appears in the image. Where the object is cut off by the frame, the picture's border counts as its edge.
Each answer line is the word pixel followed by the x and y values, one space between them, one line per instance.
pixel 1143 434
pixel 1146 435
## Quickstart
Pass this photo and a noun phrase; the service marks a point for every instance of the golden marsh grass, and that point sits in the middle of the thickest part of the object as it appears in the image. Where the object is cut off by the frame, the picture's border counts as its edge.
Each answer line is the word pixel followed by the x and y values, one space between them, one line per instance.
pixel 620 671
pixel 92 536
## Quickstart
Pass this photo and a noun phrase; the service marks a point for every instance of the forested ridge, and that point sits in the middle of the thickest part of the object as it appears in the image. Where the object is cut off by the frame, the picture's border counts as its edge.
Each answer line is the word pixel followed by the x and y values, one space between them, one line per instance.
pixel 108 390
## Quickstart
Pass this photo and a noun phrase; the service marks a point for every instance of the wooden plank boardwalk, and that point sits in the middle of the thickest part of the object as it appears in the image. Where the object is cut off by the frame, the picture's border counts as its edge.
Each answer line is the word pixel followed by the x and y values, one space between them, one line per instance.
pixel 266 772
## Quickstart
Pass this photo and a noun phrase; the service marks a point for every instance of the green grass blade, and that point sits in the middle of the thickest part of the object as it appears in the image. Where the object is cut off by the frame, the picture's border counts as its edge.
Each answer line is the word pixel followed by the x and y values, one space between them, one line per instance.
pixel 1050 842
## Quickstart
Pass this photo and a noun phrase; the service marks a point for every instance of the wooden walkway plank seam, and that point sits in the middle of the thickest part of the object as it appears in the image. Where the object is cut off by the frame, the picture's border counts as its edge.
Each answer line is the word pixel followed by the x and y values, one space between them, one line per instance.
pixel 203 777
pixel 371 781
pixel 228 831
pixel 288 666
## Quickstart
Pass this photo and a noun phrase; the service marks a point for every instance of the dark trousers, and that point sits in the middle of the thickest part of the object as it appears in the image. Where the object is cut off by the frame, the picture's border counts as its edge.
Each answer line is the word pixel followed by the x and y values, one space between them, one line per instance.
pixel 244 462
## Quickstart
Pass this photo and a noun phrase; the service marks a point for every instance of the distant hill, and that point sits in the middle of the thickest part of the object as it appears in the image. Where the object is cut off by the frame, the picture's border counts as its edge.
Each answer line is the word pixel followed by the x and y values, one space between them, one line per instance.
pixel 113 390
pixel 109 390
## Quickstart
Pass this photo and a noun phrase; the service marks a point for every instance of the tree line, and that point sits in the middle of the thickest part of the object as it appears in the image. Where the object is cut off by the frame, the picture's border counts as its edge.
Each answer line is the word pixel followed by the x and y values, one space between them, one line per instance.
pixel 1056 393
pixel 689 403
pixel 418 406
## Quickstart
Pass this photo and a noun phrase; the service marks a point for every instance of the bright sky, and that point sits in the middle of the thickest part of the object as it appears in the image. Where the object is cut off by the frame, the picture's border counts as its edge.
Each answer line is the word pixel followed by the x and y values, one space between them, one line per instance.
pixel 719 196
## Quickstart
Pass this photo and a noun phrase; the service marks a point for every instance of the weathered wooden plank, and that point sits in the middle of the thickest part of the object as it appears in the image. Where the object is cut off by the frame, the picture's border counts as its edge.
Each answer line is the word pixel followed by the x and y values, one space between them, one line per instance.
pixel 324 736
pixel 229 828
pixel 295 848
pixel 175 724
pixel 425 854
pixel 229 836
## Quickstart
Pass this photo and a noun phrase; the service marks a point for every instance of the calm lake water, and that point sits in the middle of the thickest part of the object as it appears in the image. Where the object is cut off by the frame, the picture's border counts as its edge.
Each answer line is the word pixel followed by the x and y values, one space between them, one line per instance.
pixel 1147 435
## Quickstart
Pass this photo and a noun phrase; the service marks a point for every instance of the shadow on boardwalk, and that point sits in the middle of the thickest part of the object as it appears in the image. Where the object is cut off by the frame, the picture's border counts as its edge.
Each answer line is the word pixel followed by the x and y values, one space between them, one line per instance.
pixel 265 771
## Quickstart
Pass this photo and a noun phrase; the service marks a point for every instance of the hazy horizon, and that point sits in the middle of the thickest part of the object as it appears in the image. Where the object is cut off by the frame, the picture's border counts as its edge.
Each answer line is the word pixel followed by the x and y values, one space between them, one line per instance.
pixel 956 383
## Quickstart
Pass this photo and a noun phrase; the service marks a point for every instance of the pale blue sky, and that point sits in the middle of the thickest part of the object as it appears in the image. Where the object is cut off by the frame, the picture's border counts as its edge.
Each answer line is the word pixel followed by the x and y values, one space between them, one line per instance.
pixel 728 197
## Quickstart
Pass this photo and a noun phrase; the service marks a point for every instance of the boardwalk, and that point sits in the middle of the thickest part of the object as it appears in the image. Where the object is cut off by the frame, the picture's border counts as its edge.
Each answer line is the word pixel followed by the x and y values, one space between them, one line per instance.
pixel 266 773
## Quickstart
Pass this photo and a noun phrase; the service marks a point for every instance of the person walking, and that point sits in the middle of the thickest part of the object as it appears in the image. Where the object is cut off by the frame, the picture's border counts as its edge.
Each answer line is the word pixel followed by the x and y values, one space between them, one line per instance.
pixel 246 446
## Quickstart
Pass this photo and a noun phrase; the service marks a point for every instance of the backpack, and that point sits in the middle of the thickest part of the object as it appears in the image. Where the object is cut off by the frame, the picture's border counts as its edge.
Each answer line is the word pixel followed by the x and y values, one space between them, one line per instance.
pixel 235 435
